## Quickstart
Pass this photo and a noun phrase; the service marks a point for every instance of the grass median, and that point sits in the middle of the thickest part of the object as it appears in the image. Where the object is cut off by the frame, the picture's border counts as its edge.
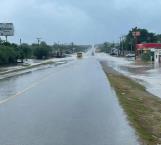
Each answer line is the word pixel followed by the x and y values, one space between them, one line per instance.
pixel 143 109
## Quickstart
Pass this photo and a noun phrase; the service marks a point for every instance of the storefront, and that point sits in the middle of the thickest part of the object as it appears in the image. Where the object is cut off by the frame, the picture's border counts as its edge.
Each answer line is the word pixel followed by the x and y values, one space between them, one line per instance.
pixel 151 50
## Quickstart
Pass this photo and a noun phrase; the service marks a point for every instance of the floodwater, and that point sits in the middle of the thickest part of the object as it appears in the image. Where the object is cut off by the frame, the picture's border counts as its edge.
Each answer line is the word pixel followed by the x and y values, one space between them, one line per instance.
pixel 146 74
pixel 11 85
pixel 72 104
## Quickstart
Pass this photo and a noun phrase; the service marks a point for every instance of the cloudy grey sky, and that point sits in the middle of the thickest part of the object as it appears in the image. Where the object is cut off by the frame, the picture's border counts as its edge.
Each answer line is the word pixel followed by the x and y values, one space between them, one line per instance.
pixel 81 21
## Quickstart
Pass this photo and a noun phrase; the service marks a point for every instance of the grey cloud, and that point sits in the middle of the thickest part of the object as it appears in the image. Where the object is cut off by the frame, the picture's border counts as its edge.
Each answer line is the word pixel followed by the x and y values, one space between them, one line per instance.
pixel 81 21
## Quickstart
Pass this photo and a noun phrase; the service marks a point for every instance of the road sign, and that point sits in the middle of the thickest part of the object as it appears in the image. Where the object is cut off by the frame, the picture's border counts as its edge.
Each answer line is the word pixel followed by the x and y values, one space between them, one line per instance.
pixel 135 34
pixel 6 29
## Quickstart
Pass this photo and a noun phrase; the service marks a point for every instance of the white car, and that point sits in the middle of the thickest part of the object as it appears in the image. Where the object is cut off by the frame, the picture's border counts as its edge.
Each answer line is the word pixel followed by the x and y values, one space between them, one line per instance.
pixel 130 55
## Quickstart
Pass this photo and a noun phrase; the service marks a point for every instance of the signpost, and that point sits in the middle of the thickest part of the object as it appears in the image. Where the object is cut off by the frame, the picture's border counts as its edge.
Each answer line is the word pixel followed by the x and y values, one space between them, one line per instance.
pixel 135 35
pixel 6 29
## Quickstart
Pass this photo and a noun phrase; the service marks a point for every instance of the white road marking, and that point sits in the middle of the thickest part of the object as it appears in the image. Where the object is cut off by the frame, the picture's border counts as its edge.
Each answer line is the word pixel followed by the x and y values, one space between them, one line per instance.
pixel 32 85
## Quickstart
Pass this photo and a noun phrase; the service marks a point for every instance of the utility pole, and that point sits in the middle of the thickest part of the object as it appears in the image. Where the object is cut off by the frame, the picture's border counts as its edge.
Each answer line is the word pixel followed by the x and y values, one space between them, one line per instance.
pixel 72 46
pixel 20 42
pixel 122 44
pixel 135 39
pixel 38 41
pixel 6 38
pixel 131 44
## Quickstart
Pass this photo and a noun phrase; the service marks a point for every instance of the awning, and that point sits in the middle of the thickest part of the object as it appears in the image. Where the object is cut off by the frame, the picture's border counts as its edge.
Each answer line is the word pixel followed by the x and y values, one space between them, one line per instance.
pixel 148 46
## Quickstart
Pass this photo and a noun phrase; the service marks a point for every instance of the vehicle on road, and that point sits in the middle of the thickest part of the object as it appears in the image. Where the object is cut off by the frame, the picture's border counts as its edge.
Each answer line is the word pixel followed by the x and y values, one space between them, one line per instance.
pixel 130 55
pixel 114 51
pixel 79 54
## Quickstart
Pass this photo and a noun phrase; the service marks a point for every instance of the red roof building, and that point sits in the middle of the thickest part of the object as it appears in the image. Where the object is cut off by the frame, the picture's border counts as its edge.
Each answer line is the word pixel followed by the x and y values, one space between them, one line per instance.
pixel 148 46
pixel 153 47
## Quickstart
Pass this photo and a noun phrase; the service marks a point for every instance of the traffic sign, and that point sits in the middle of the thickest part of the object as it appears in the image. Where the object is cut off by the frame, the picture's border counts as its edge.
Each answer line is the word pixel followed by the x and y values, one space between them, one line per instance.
pixel 6 29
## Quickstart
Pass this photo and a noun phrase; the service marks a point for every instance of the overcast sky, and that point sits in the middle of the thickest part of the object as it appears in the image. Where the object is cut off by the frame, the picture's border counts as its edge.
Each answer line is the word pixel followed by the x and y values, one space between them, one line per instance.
pixel 80 21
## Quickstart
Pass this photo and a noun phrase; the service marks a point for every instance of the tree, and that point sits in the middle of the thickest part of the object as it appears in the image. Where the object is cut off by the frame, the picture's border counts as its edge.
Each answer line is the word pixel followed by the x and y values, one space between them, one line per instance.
pixel 42 51
pixel 145 37
pixel 26 51
pixel 8 55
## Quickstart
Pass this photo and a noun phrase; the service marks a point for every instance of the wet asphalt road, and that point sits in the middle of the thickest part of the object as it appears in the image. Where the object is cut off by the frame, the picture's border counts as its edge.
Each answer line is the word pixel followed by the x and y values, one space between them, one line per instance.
pixel 68 105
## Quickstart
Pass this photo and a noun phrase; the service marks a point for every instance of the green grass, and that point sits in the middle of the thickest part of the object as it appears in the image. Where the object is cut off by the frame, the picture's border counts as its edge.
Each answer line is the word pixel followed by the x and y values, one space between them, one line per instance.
pixel 142 108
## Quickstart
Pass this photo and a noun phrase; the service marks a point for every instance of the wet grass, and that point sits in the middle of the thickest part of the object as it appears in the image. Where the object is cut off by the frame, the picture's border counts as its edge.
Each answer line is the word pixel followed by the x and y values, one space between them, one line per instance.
pixel 142 108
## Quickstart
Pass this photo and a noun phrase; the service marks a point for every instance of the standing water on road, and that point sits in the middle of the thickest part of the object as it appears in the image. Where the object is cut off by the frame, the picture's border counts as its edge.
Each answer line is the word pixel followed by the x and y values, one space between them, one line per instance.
pixel 74 106
pixel 12 85
pixel 146 74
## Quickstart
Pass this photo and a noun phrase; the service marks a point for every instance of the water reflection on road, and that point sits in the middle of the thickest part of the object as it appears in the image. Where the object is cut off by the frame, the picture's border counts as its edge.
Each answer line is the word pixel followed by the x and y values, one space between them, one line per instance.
pixel 73 106
pixel 12 85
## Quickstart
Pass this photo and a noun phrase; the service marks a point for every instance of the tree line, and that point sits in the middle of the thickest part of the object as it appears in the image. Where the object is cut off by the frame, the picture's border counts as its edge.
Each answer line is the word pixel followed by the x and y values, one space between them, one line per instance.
pixel 145 37
pixel 127 42
pixel 11 53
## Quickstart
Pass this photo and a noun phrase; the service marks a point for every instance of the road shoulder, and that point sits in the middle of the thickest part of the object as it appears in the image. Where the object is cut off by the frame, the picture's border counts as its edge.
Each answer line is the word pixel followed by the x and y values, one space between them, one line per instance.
pixel 143 109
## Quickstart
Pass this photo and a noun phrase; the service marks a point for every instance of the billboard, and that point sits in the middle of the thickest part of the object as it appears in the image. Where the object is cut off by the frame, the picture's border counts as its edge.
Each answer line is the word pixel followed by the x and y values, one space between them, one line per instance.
pixel 6 29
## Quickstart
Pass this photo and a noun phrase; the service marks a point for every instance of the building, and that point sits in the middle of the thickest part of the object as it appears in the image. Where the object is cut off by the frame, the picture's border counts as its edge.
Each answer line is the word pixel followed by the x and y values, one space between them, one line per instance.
pixel 153 48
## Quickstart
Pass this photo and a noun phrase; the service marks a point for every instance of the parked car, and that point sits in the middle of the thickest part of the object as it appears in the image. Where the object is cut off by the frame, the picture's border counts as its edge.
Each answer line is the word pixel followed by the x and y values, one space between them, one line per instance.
pixel 114 51
pixel 130 55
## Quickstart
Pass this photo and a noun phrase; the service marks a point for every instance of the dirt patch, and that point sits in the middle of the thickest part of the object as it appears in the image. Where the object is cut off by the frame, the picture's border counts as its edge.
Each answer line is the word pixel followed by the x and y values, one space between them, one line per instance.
pixel 143 109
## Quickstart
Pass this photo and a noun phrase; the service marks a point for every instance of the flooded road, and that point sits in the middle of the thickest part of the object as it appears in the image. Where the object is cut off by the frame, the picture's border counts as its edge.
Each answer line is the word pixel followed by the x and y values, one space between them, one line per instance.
pixel 146 74
pixel 72 104
pixel 12 85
